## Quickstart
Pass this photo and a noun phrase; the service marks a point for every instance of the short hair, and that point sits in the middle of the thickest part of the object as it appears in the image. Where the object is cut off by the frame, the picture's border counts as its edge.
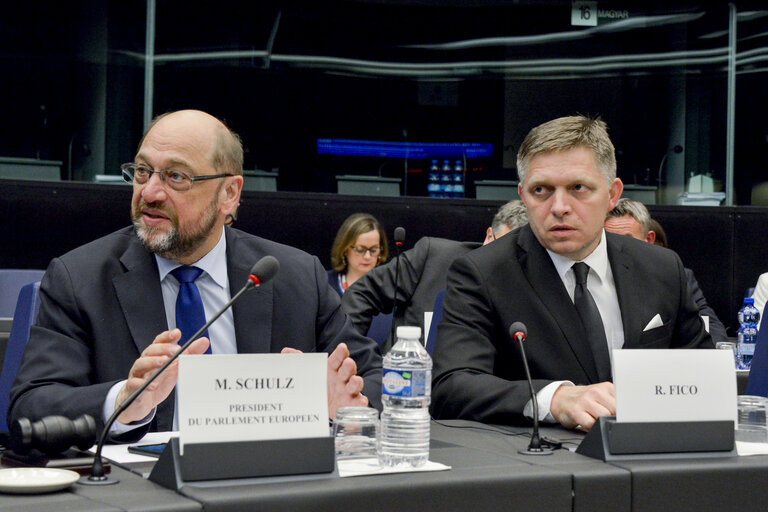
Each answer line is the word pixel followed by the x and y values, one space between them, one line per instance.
pixel 566 133
pixel 512 214
pixel 661 236
pixel 227 152
pixel 635 209
pixel 354 226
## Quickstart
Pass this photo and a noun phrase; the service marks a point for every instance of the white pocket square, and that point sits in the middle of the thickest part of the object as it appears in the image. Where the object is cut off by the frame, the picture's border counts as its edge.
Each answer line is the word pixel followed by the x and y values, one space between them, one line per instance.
pixel 654 323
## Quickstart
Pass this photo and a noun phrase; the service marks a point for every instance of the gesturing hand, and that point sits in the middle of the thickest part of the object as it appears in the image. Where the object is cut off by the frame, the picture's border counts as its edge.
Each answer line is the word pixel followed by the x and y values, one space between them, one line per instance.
pixel 153 357
pixel 344 385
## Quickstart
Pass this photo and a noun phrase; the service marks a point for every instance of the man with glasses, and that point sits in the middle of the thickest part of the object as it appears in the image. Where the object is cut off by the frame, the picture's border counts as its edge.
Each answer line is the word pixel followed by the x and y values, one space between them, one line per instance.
pixel 106 308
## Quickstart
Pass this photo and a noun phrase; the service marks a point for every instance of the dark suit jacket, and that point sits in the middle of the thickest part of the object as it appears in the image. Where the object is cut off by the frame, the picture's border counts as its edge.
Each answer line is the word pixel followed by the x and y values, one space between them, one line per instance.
pixel 422 275
pixel 716 327
pixel 478 372
pixel 101 305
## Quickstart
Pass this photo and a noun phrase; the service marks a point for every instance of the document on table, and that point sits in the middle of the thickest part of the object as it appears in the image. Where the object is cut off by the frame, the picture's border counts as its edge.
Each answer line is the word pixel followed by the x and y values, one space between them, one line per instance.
pixel 364 467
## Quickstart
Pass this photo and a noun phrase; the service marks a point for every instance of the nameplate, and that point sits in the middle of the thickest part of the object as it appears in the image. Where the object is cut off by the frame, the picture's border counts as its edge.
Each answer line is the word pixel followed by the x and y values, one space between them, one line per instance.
pixel 657 385
pixel 252 397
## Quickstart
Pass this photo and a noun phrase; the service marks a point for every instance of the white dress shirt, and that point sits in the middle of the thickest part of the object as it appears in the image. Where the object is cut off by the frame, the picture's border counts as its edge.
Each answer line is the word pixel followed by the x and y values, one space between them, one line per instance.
pixel 213 285
pixel 602 287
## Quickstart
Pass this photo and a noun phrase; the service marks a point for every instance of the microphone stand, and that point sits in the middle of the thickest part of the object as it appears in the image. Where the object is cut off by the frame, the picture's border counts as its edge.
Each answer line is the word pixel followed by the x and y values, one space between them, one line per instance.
pixel 535 446
pixel 97 476
pixel 399 239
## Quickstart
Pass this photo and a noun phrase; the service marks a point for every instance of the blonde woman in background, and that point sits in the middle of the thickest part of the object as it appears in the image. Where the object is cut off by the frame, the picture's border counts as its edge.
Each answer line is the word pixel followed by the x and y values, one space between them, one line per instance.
pixel 360 245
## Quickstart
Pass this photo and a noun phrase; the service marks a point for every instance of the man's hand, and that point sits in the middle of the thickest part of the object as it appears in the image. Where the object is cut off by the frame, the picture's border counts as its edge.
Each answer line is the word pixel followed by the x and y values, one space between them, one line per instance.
pixel 580 406
pixel 154 356
pixel 344 385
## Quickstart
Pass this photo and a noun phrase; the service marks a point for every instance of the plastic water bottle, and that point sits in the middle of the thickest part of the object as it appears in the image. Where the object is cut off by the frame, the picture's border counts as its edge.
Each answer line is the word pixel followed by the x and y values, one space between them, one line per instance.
pixel 433 185
pixel 749 318
pixel 406 390
pixel 446 181
pixel 458 179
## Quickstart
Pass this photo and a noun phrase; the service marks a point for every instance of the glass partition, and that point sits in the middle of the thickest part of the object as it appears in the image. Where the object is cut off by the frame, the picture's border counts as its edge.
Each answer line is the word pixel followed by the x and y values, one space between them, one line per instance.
pixel 679 84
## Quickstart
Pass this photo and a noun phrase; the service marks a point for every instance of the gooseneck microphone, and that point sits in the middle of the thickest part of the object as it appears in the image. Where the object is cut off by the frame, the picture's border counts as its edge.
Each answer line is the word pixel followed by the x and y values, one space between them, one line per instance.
pixel 261 272
pixel 519 332
pixel 399 239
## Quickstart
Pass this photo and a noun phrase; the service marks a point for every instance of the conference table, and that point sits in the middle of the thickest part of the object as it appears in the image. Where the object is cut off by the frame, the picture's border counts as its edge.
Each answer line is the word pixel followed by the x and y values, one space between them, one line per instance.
pixel 487 473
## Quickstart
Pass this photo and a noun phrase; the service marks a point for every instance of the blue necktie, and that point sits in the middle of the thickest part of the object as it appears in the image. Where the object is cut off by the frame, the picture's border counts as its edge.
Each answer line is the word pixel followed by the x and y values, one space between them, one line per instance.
pixel 190 315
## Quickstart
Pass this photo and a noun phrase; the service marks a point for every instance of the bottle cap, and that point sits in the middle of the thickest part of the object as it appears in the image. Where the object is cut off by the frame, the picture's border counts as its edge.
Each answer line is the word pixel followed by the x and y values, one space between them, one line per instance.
pixel 749 300
pixel 411 333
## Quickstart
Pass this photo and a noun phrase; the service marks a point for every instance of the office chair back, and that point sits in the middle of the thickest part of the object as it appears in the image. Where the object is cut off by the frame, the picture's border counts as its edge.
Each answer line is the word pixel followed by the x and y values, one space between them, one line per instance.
pixel 27 307
pixel 381 325
pixel 11 281
pixel 437 315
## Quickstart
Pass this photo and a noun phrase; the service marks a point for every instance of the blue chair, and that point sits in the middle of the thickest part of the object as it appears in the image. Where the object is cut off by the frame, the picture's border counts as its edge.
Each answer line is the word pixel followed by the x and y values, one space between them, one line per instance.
pixel 757 382
pixel 380 326
pixel 437 315
pixel 11 281
pixel 27 307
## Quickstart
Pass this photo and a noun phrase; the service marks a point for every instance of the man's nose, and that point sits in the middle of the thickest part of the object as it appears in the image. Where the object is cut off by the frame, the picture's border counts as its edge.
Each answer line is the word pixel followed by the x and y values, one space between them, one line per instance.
pixel 561 202
pixel 154 189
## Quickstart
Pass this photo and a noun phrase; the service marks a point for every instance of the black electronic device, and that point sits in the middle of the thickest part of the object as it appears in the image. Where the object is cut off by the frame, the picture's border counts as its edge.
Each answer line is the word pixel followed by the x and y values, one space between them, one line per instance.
pixel 150 450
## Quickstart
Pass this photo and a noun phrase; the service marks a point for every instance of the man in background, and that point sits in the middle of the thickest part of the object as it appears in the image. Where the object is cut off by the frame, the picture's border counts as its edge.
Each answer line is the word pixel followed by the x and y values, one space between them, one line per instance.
pixel 631 218
pixel 422 276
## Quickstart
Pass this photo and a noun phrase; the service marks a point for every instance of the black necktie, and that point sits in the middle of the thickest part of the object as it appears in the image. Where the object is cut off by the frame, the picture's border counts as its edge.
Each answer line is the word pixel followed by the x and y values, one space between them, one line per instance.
pixel 593 323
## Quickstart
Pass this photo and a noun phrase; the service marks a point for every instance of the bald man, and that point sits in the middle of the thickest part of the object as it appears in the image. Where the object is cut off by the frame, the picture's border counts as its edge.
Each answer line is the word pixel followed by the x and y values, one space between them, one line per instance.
pixel 631 218
pixel 108 309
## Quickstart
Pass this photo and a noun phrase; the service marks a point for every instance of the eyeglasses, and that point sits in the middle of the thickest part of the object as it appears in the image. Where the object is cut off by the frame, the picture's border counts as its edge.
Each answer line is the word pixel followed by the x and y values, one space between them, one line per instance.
pixel 180 181
pixel 362 250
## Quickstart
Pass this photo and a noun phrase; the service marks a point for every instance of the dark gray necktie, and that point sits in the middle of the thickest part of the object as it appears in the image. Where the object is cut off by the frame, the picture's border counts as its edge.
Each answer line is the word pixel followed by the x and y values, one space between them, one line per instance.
pixel 593 323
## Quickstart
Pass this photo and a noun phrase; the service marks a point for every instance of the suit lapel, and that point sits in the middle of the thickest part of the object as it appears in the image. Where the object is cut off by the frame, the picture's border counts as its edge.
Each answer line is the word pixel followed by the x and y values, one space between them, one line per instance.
pixel 252 313
pixel 626 289
pixel 141 299
pixel 546 283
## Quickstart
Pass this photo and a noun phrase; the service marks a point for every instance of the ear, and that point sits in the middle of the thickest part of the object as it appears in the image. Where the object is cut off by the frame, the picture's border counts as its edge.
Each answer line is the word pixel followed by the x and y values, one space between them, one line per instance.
pixel 614 192
pixel 520 193
pixel 488 236
pixel 229 195
pixel 650 237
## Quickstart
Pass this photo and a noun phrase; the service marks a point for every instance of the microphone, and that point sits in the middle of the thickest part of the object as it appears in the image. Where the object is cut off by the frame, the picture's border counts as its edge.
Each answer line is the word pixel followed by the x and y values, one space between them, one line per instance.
pixel 399 239
pixel 519 332
pixel 261 272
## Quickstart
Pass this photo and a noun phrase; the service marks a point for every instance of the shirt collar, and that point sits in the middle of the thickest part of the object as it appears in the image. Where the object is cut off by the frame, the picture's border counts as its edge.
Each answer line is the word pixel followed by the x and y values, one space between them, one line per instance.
pixel 214 263
pixel 597 260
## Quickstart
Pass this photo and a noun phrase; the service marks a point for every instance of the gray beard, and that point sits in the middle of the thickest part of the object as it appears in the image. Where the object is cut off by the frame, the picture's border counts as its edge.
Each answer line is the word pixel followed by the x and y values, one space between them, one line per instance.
pixel 175 245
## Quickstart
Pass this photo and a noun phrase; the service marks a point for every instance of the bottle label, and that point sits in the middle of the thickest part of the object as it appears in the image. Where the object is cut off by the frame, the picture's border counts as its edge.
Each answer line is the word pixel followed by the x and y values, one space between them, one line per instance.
pixel 747 349
pixel 408 383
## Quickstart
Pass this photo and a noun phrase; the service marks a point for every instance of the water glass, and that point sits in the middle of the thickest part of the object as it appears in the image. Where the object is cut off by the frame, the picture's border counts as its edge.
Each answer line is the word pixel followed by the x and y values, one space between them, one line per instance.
pixel 752 426
pixel 727 345
pixel 356 431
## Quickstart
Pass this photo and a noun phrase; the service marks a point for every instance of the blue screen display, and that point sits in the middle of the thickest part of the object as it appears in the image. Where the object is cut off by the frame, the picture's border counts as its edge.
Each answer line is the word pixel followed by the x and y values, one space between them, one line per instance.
pixel 415 150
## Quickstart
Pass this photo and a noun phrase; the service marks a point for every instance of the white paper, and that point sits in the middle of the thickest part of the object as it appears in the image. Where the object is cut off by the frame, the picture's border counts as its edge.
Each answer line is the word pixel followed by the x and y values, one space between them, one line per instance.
pixel 674 385
pixel 249 397
pixel 363 467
